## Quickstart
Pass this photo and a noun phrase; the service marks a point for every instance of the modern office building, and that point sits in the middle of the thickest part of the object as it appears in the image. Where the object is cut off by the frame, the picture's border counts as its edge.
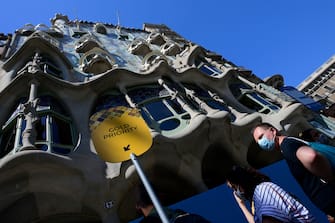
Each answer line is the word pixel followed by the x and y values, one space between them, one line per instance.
pixel 61 82
pixel 304 99
pixel 321 83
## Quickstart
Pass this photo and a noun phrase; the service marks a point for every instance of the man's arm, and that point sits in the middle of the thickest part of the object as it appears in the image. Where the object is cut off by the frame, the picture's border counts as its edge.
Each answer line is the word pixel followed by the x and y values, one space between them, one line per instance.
pixel 315 162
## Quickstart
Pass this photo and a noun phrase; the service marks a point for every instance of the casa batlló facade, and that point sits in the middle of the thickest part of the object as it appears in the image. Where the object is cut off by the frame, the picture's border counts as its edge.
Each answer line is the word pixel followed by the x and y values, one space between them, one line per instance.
pixel 58 81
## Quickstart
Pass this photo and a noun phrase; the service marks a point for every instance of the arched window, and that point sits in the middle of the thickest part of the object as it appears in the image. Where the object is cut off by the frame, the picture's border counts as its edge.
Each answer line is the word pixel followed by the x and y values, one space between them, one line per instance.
pixel 112 99
pixel 160 109
pixel 208 97
pixel 54 129
pixel 204 66
pixel 251 99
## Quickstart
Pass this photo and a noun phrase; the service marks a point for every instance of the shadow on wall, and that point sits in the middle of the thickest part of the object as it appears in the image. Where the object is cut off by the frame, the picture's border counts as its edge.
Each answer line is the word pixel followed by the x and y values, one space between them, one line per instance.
pixel 215 165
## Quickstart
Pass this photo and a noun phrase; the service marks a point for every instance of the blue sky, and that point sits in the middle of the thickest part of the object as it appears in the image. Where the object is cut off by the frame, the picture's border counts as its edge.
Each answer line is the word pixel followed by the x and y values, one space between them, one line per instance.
pixel 288 37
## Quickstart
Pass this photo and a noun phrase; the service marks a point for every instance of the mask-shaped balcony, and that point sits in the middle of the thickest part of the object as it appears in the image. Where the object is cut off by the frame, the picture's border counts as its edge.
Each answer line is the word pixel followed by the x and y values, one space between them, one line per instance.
pixel 156 39
pixel 152 58
pixel 47 37
pixel 170 49
pixel 86 43
pixel 96 61
pixel 139 47
pixel 26 30
pixel 100 28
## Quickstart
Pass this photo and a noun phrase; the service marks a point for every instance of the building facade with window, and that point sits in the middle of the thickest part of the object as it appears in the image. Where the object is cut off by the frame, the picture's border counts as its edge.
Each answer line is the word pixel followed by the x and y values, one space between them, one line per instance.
pixel 58 81
pixel 320 85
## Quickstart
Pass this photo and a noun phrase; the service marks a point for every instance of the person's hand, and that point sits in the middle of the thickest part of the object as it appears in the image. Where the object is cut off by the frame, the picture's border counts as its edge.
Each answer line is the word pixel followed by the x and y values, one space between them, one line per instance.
pixel 331 219
pixel 237 198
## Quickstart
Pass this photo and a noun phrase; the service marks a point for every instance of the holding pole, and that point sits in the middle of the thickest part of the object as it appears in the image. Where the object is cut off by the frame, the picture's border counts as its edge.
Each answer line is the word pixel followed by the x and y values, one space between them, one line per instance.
pixel 119 133
pixel 148 187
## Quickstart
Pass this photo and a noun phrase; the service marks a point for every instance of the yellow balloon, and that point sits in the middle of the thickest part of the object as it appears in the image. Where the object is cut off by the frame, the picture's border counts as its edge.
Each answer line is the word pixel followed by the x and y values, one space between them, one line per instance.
pixel 119 131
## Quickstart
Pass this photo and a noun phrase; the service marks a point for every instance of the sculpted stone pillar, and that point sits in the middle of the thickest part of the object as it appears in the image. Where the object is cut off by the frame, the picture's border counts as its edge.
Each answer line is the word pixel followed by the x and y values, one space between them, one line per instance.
pixel 30 114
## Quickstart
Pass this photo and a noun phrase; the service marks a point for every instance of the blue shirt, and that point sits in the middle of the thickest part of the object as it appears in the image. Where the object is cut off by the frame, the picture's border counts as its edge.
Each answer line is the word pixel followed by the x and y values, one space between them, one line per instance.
pixel 321 194
pixel 271 200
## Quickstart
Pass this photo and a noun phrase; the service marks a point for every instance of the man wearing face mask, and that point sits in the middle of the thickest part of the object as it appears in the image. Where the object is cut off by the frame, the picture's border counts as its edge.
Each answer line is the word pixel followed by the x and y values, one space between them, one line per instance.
pixel 311 169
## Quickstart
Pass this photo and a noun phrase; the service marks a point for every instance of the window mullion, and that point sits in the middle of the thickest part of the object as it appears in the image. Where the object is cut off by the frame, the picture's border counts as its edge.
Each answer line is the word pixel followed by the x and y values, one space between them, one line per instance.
pixel 48 132
pixel 18 132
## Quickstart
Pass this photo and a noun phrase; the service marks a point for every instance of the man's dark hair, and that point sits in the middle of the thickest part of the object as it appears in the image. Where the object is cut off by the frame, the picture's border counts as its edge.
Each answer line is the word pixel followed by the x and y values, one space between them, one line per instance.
pixel 263 125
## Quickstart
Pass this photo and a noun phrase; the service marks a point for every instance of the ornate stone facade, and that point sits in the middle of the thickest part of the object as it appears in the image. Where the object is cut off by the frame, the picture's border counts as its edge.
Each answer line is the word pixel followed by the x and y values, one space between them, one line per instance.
pixel 199 106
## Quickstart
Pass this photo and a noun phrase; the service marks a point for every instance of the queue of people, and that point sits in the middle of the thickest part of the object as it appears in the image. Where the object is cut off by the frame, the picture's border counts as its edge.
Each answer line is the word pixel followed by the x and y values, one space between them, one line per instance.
pixel 260 199
pixel 312 170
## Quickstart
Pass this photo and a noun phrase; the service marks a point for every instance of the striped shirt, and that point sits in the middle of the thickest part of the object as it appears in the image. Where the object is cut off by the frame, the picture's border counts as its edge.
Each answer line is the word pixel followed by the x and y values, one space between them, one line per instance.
pixel 271 200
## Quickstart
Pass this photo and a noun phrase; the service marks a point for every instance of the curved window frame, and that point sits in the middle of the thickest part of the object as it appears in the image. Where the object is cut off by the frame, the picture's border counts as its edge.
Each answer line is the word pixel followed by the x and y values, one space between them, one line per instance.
pixel 206 97
pixel 167 122
pixel 253 100
pixel 46 143
pixel 161 99
pixel 207 68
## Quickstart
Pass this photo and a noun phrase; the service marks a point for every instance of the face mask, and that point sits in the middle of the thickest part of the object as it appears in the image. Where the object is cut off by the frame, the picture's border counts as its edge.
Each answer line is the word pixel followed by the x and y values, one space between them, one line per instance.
pixel 266 144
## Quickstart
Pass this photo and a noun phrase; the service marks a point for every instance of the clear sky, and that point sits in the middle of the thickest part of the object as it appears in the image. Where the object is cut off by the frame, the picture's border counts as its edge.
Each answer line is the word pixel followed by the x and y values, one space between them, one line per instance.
pixel 288 37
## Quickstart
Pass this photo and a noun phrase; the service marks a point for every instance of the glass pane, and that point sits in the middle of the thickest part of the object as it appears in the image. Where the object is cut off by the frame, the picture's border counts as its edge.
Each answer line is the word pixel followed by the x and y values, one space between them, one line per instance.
pixel 41 129
pixel 7 140
pixel 250 103
pixel 23 127
pixel 273 107
pixel 47 101
pixel 158 110
pixel 266 111
pixel 206 70
pixel 197 61
pixel 176 106
pixel 260 99
pixel 169 124
pixel 186 117
pixel 199 92
pixel 61 150
pixel 145 117
pixel 61 132
pixel 216 105
pixel 110 101
pixel 141 94
pixel 41 147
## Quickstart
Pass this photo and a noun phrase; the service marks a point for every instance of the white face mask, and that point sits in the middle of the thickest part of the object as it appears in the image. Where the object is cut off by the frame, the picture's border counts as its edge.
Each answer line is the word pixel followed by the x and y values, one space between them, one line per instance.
pixel 266 144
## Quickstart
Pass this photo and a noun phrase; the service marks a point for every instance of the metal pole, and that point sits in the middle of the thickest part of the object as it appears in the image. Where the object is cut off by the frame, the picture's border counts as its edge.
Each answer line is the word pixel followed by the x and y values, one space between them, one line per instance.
pixel 147 186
